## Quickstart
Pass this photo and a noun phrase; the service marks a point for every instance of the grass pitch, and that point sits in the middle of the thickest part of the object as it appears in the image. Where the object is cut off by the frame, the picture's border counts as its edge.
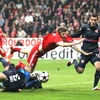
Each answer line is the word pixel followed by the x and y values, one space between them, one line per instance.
pixel 64 83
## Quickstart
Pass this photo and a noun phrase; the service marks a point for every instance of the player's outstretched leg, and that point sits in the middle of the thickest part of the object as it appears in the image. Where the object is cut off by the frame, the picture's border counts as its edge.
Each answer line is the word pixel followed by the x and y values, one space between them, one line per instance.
pixel 70 62
pixel 14 49
pixel 73 61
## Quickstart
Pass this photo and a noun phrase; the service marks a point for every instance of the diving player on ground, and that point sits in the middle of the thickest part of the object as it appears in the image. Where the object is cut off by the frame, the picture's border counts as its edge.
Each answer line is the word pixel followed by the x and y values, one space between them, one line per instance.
pixel 50 42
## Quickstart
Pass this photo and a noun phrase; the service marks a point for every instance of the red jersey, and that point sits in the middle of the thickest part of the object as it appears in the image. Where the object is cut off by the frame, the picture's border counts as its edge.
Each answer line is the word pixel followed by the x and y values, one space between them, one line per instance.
pixel 1 36
pixel 50 41
pixel 68 39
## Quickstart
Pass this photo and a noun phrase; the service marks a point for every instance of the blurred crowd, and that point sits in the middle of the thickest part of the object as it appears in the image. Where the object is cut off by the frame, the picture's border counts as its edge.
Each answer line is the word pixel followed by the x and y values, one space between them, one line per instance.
pixel 36 18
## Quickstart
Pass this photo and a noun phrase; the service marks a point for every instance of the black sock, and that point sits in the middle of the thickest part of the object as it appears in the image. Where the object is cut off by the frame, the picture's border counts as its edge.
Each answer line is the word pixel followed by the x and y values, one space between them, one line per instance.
pixel 75 64
pixel 4 62
pixel 1 59
pixel 96 78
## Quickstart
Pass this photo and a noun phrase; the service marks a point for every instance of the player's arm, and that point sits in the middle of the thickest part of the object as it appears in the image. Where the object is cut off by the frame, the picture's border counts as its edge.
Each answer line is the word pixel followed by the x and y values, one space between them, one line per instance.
pixel 66 44
pixel 81 51
pixel 78 33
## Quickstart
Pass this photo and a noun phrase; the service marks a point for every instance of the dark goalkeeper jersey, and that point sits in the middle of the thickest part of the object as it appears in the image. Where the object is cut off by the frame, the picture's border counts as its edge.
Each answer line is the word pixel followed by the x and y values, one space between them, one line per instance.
pixel 90 44
pixel 16 80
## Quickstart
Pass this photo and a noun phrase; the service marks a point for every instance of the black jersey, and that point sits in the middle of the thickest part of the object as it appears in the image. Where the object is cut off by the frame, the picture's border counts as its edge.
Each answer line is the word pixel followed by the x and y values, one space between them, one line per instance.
pixel 92 34
pixel 15 79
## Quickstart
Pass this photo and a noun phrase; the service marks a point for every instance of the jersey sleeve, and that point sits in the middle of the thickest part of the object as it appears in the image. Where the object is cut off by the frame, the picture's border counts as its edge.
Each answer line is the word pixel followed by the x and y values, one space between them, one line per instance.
pixel 78 33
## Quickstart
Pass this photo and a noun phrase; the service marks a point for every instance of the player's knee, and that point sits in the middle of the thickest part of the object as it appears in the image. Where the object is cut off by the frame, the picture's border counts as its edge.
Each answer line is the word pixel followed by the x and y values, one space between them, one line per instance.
pixel 80 70
pixel 98 68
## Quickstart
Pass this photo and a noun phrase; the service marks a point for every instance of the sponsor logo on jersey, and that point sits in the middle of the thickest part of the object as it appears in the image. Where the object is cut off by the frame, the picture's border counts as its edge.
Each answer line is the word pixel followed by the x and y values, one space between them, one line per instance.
pixel 82 61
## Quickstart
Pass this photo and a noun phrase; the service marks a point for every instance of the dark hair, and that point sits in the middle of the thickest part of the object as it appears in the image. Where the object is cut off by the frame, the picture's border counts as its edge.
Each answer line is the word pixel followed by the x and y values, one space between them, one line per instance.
pixel 12 65
pixel 61 29
pixel 94 15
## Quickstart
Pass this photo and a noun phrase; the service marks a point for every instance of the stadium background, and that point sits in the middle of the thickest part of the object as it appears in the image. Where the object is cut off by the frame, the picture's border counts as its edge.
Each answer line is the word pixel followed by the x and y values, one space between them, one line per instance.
pixel 32 19
pixel 35 18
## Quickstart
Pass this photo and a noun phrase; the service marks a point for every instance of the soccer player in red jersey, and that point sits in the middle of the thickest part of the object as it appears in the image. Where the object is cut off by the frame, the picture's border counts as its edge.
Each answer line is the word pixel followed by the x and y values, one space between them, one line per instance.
pixel 2 51
pixel 50 42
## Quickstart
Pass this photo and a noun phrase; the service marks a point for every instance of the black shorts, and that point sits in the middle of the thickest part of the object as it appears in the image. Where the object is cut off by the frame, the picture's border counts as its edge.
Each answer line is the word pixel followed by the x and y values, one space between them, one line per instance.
pixel 15 79
pixel 85 59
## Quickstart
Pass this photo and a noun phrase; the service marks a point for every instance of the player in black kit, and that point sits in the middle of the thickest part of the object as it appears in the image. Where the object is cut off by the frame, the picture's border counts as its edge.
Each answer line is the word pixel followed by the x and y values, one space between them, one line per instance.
pixel 12 79
pixel 91 32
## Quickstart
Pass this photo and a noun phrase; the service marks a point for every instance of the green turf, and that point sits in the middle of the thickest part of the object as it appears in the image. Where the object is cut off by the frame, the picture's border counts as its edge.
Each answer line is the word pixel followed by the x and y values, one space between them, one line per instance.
pixel 64 84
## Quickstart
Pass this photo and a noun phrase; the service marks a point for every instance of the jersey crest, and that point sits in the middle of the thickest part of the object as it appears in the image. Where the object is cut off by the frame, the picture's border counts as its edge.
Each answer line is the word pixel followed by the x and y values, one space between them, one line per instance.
pixel 88 28
pixel 96 31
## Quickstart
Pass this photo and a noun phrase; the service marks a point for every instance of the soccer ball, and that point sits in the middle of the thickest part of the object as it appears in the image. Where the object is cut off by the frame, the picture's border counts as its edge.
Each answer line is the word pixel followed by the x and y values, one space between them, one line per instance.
pixel 43 77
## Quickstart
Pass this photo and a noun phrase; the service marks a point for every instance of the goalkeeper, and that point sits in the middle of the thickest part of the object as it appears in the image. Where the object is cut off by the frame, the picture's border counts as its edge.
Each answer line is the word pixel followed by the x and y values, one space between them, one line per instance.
pixel 14 79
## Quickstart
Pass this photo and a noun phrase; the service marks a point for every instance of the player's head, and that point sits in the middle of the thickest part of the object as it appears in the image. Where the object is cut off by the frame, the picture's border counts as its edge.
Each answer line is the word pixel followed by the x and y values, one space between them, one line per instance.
pixel 11 66
pixel 93 20
pixel 62 30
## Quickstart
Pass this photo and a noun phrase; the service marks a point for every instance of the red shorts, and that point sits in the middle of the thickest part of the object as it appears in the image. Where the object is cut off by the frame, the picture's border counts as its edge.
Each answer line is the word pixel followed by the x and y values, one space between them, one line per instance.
pixel 2 52
pixel 34 55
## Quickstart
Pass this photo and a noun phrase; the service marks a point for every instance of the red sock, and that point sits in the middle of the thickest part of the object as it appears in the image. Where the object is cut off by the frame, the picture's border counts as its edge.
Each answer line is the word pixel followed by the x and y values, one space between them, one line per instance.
pixel 16 49
pixel 20 65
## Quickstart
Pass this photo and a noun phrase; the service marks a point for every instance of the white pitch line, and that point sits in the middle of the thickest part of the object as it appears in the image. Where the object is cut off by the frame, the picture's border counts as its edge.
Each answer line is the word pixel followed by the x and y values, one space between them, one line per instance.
pixel 66 84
